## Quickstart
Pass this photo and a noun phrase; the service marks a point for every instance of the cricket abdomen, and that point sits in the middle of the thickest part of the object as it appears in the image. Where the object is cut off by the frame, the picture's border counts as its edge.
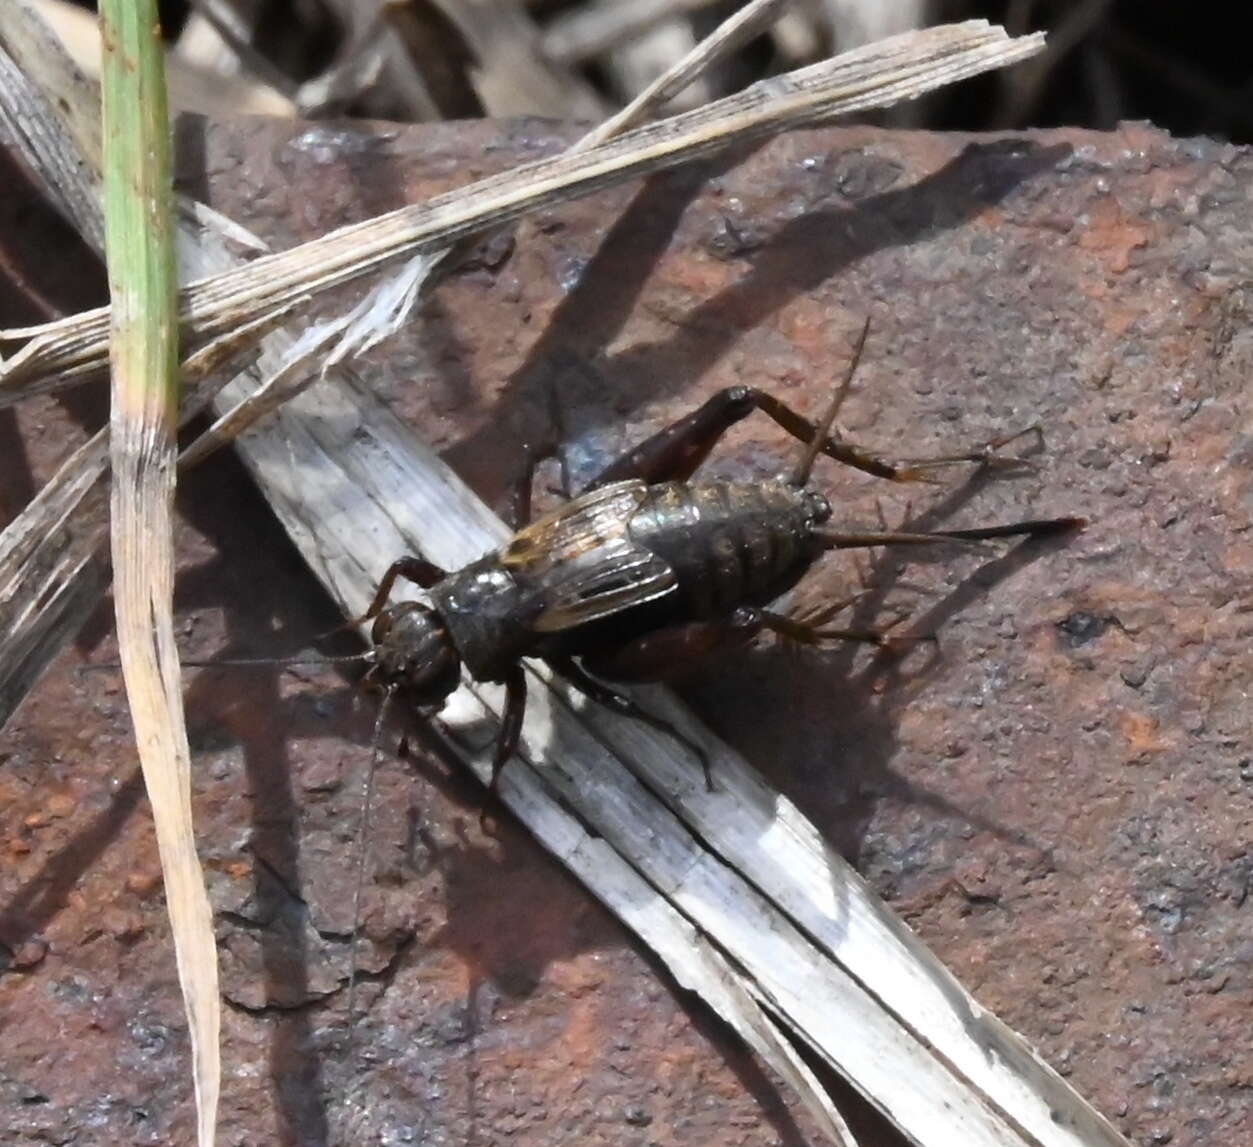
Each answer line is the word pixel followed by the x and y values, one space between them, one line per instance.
pixel 730 543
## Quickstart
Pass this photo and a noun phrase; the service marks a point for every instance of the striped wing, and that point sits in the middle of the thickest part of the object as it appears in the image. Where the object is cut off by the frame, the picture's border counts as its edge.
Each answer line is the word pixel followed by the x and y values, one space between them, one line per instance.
pixel 580 561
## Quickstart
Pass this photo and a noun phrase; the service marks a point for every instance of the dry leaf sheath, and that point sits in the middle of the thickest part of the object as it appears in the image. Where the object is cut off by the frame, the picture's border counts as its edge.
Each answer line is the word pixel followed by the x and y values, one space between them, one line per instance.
pixel 139 245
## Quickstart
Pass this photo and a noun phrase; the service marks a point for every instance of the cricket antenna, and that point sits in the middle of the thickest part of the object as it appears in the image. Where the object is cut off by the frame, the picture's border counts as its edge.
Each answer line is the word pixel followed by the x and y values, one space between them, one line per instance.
pixel 297 660
pixel 212 662
pixel 800 476
pixel 363 832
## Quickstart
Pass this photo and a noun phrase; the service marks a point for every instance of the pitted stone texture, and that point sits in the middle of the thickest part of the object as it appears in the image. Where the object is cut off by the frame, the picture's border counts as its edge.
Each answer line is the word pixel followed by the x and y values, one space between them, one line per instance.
pixel 1057 794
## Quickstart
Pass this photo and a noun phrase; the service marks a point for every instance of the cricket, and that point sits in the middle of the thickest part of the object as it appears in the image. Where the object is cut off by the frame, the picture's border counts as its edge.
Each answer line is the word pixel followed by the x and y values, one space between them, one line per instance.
pixel 649 571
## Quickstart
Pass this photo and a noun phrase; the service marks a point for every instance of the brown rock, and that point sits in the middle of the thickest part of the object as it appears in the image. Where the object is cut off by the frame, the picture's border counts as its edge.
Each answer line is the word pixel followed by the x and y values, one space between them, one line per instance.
pixel 1096 284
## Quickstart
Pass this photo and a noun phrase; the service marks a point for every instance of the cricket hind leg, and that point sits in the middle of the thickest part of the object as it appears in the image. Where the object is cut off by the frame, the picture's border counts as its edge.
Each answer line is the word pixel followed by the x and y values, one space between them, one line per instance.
pixel 676 452
pixel 825 438
pixel 848 453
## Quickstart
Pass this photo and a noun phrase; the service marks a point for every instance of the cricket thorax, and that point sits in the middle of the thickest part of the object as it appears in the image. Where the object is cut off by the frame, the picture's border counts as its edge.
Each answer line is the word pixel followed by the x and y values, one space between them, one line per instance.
pixel 483 608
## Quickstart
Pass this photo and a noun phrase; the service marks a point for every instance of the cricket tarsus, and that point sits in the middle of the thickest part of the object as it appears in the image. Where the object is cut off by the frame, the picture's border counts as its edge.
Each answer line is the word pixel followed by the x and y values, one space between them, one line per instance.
pixel 650 571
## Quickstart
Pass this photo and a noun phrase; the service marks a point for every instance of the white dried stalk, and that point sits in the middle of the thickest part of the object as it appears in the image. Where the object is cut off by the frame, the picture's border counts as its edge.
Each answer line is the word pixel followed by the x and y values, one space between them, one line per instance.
pixel 731 35
pixel 874 76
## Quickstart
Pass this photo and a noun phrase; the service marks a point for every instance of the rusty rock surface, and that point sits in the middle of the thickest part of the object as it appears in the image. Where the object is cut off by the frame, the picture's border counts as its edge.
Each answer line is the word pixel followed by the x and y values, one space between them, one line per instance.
pixel 1058 794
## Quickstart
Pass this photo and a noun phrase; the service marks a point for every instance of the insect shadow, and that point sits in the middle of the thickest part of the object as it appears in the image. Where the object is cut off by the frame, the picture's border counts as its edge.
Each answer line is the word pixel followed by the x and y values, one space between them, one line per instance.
pixel 798 257
pixel 842 706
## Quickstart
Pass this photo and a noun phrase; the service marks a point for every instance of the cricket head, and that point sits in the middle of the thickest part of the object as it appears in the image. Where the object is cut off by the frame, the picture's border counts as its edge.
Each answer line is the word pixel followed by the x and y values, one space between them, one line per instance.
pixel 414 652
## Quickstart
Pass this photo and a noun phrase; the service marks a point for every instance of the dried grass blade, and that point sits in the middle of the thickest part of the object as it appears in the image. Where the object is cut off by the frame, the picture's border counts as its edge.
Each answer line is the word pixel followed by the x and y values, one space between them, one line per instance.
pixel 139 220
pixel 64 148
pixel 49 580
pixel 874 76
pixel 731 35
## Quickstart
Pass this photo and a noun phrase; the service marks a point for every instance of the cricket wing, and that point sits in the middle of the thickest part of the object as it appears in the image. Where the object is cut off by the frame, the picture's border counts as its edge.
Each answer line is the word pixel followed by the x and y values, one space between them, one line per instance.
pixel 614 577
pixel 579 528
